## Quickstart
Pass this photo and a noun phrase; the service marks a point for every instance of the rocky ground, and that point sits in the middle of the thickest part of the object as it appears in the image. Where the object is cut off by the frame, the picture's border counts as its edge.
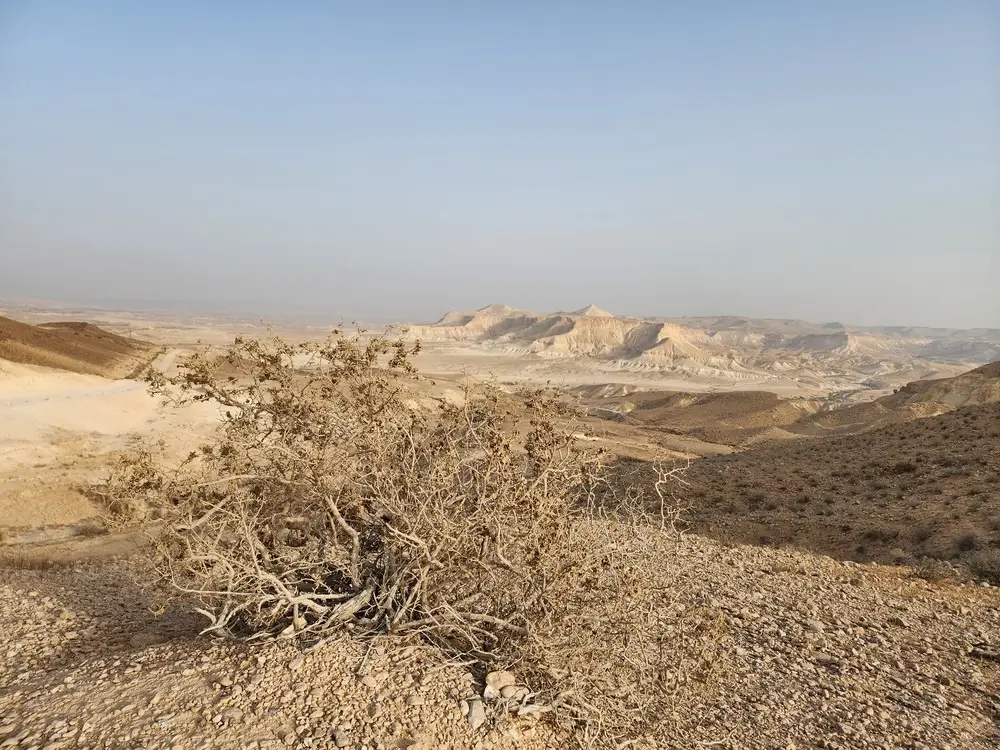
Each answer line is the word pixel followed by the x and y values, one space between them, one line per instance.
pixel 808 653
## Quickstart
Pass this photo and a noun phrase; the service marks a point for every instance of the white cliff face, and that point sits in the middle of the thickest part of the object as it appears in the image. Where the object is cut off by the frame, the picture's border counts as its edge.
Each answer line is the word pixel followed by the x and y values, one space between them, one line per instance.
pixel 729 348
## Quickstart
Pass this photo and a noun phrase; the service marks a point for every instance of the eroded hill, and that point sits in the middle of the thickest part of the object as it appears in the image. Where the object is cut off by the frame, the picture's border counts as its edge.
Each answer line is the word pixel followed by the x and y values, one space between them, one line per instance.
pixel 785 355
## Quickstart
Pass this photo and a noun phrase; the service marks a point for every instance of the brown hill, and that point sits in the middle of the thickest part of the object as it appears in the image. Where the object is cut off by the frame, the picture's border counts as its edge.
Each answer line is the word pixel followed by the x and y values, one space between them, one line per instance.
pixel 979 386
pixel 928 487
pixel 921 398
pixel 74 346
pixel 730 418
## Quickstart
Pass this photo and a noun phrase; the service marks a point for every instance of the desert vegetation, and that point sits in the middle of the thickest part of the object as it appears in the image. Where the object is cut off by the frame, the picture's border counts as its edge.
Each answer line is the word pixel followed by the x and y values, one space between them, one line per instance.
pixel 328 502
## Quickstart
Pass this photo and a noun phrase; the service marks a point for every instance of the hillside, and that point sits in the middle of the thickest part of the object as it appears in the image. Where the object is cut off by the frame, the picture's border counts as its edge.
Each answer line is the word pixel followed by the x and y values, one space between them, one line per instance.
pixel 730 418
pixel 745 418
pixel 922 398
pixel 926 487
pixel 979 386
pixel 72 346
pixel 911 475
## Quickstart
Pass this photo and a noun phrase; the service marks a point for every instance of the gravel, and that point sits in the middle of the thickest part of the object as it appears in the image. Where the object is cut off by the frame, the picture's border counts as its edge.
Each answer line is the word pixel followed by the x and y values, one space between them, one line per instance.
pixel 814 653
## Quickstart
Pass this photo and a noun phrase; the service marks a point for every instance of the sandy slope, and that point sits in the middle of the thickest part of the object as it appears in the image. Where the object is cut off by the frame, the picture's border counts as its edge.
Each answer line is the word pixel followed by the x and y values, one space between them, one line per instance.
pixel 58 429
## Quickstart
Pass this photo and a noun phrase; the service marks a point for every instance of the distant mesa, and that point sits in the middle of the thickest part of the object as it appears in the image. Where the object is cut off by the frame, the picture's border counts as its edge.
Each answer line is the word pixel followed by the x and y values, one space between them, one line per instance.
pixel 592 311
pixel 733 347
pixel 498 310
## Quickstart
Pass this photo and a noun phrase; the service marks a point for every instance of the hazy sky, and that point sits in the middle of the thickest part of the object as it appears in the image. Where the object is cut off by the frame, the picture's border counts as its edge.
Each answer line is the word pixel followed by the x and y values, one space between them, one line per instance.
pixel 391 160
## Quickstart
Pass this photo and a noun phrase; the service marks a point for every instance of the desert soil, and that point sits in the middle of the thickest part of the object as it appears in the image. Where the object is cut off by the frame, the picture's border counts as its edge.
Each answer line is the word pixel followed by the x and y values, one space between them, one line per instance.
pixel 806 652
pixel 58 430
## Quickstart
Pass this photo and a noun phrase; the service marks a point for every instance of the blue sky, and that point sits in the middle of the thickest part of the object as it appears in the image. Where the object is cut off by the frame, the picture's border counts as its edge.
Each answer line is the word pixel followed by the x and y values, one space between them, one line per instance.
pixel 390 160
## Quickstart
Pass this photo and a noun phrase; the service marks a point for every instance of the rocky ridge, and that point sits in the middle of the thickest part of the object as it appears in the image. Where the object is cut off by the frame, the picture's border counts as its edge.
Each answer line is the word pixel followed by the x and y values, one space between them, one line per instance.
pixel 733 349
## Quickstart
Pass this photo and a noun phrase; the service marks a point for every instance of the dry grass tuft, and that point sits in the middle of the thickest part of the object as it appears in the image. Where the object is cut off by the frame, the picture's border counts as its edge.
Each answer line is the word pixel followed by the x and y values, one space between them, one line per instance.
pixel 19 559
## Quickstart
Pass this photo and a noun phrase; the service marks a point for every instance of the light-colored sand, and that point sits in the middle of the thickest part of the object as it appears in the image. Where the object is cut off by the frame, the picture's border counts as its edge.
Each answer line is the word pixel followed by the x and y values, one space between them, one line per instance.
pixel 58 431
pixel 17 380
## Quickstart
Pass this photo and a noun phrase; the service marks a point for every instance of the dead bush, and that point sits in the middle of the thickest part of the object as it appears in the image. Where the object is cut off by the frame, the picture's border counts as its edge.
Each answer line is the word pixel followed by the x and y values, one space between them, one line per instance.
pixel 329 501
pixel 985 565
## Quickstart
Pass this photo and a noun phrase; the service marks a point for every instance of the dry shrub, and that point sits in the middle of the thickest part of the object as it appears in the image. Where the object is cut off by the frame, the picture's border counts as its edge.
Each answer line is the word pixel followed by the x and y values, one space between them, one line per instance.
pixel 19 559
pixel 968 542
pixel 134 490
pixel 985 565
pixel 328 501
pixel 932 569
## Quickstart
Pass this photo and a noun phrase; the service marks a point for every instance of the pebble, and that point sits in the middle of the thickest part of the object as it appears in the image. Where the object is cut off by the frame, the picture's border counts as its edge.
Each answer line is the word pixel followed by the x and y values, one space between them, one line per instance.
pixel 513 692
pixel 500 679
pixel 477 714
